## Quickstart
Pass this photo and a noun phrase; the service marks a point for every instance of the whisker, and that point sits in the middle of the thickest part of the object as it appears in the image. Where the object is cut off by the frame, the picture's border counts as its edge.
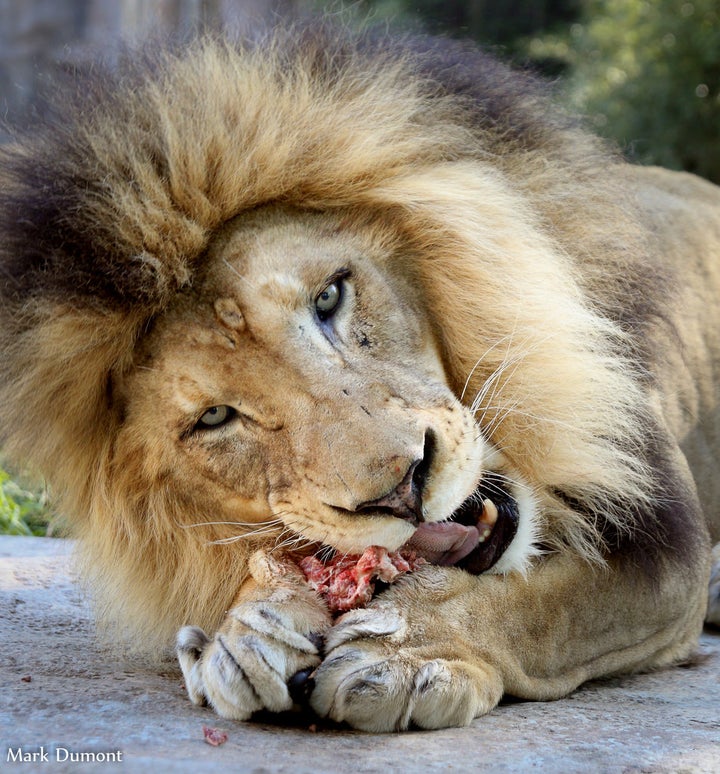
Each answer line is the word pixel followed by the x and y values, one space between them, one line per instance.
pixel 332 458
pixel 502 413
pixel 237 273
pixel 543 420
pixel 482 358
pixel 270 522
pixel 295 542
pixel 286 537
pixel 325 553
pixel 511 480
pixel 494 378
pixel 477 364
pixel 243 536
pixel 496 383
pixel 290 538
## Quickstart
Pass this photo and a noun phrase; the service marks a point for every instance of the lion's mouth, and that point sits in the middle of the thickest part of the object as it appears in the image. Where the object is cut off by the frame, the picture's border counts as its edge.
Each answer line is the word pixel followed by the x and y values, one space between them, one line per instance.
pixel 476 535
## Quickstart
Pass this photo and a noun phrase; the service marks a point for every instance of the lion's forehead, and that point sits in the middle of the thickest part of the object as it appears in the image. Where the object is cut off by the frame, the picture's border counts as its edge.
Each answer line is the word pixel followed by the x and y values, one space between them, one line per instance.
pixel 277 250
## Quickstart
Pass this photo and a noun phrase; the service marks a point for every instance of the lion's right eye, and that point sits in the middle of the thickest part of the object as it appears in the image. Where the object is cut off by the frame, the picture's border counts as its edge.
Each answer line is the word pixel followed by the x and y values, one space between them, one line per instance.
pixel 330 297
pixel 328 300
pixel 214 417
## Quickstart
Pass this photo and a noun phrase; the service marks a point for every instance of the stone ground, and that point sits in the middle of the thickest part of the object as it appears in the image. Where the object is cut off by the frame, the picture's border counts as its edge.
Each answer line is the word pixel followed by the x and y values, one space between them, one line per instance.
pixel 64 695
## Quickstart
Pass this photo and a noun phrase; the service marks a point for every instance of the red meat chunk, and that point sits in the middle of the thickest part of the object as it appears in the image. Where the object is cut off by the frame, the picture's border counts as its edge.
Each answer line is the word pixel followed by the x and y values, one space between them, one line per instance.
pixel 214 736
pixel 347 582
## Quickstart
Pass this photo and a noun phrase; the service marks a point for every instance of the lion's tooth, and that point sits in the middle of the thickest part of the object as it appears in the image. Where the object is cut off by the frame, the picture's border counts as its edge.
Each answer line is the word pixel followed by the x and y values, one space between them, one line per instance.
pixel 484 531
pixel 489 513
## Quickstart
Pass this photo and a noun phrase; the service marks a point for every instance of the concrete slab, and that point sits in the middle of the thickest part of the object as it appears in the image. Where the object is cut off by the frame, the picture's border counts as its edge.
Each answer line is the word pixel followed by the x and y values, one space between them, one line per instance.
pixel 66 699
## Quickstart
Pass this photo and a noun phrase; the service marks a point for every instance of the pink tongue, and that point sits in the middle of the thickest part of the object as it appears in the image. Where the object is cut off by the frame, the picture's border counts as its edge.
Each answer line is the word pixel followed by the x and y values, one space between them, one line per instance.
pixel 443 543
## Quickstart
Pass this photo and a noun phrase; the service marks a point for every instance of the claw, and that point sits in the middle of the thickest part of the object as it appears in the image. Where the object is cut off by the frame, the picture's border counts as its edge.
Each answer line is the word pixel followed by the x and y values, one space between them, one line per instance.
pixel 301 685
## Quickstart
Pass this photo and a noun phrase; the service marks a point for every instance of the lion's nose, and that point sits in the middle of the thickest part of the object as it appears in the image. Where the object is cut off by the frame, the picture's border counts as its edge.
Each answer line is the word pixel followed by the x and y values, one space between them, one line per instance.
pixel 405 500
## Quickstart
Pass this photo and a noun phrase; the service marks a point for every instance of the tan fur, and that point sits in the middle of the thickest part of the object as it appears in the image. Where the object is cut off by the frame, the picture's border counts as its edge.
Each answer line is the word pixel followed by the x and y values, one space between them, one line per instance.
pixel 501 263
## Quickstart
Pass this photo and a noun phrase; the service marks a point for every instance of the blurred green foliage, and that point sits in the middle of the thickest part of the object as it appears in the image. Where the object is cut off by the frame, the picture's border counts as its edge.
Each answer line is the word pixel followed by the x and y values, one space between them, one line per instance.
pixel 504 26
pixel 647 73
pixel 24 508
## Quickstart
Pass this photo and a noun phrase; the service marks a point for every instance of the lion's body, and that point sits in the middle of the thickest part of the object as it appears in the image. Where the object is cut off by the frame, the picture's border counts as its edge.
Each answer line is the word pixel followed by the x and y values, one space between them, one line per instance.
pixel 504 298
pixel 681 213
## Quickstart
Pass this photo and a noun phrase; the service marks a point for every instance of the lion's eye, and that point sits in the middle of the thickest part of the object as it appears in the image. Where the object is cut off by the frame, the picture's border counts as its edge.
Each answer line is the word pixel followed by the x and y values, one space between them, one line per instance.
pixel 215 416
pixel 328 300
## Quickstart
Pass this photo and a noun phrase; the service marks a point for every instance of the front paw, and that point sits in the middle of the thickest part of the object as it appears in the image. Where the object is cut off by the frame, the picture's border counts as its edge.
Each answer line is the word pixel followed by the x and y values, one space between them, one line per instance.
pixel 247 665
pixel 378 675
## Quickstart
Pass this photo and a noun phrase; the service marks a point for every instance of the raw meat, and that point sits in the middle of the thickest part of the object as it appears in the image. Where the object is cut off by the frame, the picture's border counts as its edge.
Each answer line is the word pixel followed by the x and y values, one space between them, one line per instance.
pixel 214 736
pixel 347 582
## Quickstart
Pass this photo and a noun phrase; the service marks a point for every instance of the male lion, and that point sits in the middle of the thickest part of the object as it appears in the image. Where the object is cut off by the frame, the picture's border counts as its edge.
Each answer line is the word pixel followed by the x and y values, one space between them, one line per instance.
pixel 326 291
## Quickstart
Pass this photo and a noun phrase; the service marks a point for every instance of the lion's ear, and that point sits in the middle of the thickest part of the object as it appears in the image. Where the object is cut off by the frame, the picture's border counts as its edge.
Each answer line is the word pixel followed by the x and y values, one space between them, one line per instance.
pixel 55 409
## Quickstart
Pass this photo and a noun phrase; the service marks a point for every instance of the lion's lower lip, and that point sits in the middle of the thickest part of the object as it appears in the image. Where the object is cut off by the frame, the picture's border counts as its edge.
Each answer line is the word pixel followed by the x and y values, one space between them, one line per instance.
pixel 468 540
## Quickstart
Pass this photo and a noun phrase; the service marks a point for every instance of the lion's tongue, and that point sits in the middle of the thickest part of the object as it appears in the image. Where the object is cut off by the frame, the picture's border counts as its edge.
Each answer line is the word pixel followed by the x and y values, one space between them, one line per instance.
pixel 443 543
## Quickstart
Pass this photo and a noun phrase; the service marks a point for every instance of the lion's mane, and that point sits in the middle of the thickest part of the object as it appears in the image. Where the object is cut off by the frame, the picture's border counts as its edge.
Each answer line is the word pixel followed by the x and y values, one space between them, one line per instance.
pixel 532 265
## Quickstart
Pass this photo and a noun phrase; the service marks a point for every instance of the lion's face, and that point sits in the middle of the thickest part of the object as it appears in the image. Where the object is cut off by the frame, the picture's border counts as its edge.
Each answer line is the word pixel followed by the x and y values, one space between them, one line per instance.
pixel 299 381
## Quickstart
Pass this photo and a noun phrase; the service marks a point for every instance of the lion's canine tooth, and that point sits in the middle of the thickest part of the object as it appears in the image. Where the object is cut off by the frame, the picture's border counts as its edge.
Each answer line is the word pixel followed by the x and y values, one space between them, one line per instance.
pixel 487 520
pixel 489 513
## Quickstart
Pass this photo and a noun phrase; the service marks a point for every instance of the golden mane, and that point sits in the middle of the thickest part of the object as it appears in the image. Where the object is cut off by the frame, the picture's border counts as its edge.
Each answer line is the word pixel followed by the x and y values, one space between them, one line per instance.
pixel 508 211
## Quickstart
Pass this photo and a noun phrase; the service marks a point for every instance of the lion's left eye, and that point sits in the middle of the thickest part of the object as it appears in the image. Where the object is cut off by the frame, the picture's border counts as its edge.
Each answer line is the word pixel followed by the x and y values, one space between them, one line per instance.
pixel 328 300
pixel 215 416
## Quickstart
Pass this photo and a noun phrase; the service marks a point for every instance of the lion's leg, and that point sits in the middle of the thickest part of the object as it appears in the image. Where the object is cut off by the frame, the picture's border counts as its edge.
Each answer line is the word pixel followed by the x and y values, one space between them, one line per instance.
pixel 266 638
pixel 443 646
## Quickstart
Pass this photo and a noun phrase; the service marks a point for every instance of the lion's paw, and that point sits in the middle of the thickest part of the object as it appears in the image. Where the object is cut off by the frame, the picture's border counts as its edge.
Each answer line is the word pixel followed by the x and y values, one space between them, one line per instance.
pixel 375 680
pixel 248 665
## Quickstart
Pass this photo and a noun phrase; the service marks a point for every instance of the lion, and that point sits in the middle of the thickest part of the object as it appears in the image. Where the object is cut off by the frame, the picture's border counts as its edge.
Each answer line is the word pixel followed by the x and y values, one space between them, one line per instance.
pixel 326 290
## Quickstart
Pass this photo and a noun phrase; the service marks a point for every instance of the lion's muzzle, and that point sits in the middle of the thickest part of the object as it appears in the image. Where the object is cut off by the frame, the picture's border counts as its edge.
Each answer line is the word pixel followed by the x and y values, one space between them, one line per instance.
pixel 405 500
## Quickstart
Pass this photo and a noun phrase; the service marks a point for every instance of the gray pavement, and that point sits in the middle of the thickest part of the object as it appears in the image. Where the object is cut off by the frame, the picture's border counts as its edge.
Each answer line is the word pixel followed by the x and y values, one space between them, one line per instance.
pixel 64 697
